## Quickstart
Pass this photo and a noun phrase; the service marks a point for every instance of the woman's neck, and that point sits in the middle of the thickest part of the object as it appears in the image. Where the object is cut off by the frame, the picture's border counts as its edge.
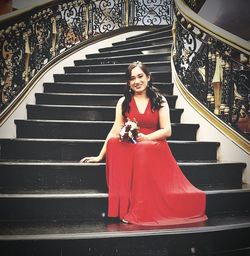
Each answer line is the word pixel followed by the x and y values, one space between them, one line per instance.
pixel 141 95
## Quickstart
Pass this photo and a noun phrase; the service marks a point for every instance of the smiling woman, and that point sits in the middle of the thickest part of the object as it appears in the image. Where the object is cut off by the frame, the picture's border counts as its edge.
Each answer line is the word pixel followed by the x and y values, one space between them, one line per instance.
pixel 146 185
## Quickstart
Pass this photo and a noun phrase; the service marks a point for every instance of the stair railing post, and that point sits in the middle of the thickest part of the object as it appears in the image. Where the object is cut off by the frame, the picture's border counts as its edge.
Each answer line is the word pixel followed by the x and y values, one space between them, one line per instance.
pixel 126 13
pixel 87 22
pixel 54 37
pixel 27 57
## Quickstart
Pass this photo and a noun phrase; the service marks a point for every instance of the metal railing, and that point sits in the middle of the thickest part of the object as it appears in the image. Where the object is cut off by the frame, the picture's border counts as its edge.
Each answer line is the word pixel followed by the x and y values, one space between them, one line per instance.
pixel 28 41
pixel 214 66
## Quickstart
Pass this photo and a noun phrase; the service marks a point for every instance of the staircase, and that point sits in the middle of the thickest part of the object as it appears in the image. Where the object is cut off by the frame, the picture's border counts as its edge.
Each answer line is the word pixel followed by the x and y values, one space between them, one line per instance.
pixel 53 205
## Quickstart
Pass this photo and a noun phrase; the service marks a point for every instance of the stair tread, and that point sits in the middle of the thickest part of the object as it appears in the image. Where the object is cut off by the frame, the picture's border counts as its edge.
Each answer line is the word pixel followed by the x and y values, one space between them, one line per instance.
pixel 94 193
pixel 70 163
pixel 114 228
pixel 121 64
pixel 97 140
pixel 143 48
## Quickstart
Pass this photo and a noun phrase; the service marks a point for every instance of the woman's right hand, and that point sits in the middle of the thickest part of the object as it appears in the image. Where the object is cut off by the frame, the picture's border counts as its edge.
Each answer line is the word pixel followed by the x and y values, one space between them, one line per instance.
pixel 91 159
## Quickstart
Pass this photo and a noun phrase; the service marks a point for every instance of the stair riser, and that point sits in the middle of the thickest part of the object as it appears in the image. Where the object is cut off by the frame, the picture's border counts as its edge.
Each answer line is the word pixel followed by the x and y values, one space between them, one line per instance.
pixel 97 88
pixel 157 41
pixel 108 78
pixel 80 113
pixel 221 203
pixel 155 245
pixel 86 130
pixel 75 150
pixel 129 51
pixel 215 176
pixel 42 177
pixel 85 209
pixel 46 177
pixel 141 38
pixel 57 99
pixel 115 68
pixel 125 59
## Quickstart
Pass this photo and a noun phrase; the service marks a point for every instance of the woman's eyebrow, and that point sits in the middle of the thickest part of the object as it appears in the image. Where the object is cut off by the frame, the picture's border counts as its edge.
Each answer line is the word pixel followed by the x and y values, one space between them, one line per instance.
pixel 137 75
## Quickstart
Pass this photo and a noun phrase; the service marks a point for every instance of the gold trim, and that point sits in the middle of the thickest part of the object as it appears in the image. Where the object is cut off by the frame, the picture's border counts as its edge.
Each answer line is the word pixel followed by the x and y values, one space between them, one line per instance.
pixel 221 34
pixel 210 117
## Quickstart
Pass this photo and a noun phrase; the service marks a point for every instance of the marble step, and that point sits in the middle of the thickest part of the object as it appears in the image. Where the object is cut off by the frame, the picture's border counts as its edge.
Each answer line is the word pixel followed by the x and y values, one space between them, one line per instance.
pixel 74 150
pixel 40 176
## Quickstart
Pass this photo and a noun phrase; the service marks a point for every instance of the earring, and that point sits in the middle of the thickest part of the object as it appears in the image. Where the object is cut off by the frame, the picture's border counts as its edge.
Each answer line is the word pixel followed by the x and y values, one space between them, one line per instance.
pixel 130 90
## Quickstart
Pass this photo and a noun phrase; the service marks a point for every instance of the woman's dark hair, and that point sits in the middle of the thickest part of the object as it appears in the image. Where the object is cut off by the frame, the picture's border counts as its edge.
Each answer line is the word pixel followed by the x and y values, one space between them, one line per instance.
pixel 152 92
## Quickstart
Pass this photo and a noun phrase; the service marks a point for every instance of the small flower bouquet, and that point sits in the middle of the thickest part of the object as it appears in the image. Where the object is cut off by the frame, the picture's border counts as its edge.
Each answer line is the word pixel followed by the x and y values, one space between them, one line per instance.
pixel 129 131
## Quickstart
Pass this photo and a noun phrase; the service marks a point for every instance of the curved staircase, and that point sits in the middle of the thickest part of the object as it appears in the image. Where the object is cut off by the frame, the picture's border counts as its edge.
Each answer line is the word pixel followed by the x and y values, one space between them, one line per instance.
pixel 53 205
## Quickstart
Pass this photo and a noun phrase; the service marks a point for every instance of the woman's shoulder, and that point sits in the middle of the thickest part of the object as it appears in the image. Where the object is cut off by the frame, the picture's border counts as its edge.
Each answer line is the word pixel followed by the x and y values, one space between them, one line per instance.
pixel 121 100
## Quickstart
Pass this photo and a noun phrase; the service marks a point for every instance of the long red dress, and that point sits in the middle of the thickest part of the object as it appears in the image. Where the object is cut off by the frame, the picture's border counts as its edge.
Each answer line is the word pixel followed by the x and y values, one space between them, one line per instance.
pixel 146 185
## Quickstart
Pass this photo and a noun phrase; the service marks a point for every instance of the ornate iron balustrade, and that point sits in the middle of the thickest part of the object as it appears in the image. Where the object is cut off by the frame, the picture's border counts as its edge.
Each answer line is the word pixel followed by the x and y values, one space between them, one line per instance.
pixel 217 74
pixel 30 40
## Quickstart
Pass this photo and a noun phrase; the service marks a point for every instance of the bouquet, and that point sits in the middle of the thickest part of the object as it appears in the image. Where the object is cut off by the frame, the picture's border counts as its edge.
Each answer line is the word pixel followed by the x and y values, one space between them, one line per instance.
pixel 129 131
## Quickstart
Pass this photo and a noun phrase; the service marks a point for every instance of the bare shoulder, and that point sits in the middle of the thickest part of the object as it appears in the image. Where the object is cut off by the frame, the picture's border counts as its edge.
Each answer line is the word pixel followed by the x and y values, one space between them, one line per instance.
pixel 120 101
pixel 164 102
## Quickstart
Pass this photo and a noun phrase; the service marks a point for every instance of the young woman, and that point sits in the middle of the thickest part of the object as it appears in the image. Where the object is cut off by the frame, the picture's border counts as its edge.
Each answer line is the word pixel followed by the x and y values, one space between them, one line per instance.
pixel 146 185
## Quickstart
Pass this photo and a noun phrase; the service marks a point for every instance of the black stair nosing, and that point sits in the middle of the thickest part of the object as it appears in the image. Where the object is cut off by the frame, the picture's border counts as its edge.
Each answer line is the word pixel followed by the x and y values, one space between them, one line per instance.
pixel 129 51
pixel 82 112
pixel 97 83
pixel 167 29
pixel 90 87
pixel 98 140
pixel 123 64
pixel 121 59
pixel 73 163
pixel 131 45
pixel 75 149
pixel 119 230
pixel 79 98
pixel 85 107
pixel 85 194
pixel 121 67
pixel 117 76
pixel 112 73
pixel 145 37
pixel 52 129
pixel 134 56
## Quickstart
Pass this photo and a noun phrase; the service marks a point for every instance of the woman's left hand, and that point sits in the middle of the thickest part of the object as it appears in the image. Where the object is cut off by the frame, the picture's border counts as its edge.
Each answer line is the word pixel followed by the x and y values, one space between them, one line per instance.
pixel 142 137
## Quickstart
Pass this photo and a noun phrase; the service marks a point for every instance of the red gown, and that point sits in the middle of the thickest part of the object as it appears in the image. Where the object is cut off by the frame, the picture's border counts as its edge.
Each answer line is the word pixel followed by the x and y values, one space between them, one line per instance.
pixel 146 185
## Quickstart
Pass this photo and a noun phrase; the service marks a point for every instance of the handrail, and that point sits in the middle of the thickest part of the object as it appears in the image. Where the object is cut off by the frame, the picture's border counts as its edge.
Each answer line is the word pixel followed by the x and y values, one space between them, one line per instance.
pixel 214 65
pixel 223 35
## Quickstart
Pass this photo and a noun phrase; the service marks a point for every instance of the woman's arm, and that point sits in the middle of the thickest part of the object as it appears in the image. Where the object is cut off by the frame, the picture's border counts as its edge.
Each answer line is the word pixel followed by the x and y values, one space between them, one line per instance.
pixel 114 132
pixel 164 123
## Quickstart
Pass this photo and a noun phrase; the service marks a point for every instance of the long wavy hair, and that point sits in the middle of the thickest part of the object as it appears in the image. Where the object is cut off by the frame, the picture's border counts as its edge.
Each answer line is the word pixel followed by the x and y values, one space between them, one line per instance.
pixel 155 97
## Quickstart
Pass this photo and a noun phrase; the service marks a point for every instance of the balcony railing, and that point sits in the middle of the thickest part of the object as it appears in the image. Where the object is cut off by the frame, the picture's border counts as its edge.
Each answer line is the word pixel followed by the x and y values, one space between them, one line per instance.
pixel 28 41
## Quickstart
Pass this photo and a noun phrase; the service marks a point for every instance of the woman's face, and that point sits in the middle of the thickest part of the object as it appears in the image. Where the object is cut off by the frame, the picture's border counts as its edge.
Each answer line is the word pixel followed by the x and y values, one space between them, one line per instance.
pixel 138 80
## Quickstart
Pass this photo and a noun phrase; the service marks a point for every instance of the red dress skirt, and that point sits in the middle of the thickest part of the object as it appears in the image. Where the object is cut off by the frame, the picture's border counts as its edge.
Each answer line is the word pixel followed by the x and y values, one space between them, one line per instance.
pixel 146 185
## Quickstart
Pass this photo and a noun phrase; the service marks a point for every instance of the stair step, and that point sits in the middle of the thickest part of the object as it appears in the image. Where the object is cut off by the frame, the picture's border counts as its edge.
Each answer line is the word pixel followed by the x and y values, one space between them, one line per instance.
pixel 107 77
pixel 84 206
pixel 87 99
pixel 162 56
pixel 219 234
pixel 146 36
pixel 69 87
pixel 126 44
pixel 128 51
pixel 40 176
pixel 86 129
pixel 86 113
pixel 152 66
pixel 74 150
